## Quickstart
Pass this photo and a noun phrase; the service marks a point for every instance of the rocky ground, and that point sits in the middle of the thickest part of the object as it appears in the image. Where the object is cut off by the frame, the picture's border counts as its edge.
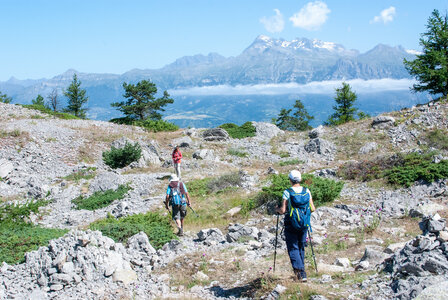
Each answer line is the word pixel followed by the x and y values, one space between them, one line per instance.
pixel 233 258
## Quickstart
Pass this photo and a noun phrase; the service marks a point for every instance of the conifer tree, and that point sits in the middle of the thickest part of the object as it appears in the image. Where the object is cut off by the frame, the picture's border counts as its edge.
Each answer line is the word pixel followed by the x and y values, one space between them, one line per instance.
pixel 76 98
pixel 344 111
pixel 141 103
pixel 39 101
pixel 431 67
pixel 297 121
pixel 4 98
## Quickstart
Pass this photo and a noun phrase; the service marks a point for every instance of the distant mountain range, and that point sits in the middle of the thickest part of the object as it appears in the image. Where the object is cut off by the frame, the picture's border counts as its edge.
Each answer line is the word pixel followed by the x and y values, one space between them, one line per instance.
pixel 265 61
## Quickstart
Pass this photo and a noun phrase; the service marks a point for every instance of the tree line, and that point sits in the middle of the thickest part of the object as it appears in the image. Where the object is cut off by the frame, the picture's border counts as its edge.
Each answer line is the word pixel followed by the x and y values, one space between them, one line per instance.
pixel 142 108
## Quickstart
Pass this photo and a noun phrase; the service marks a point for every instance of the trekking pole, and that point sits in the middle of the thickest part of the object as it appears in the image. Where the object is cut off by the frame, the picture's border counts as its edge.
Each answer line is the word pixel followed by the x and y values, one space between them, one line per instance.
pixel 193 211
pixel 275 246
pixel 312 250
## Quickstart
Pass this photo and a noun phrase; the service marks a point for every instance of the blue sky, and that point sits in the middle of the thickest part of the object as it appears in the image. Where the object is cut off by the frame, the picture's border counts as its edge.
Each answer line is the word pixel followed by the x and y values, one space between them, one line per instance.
pixel 43 38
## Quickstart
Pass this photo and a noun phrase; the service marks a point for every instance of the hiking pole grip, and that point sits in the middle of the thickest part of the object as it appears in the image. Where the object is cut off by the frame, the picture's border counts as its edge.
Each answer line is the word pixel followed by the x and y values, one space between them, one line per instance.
pixel 275 246
pixel 312 249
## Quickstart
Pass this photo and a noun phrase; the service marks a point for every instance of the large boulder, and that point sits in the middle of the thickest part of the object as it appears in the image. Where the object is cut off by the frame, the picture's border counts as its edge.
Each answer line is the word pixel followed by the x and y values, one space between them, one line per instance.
pixel 320 146
pixel 382 122
pixel 266 131
pixel 215 134
pixel 105 181
pixel 150 154
pixel 316 132
pixel 205 154
pixel 238 231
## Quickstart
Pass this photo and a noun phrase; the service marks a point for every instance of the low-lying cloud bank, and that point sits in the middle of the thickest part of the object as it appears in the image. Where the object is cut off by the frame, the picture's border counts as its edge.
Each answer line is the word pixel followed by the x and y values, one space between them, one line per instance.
pixel 316 87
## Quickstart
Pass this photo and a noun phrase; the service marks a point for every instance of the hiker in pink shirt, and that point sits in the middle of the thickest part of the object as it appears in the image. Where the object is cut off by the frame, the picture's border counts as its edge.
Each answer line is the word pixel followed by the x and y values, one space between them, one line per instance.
pixel 177 156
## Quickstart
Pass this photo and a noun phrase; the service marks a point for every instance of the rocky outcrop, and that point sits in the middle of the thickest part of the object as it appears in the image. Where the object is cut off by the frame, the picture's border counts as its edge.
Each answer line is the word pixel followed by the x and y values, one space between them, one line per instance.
pixel 382 122
pixel 215 134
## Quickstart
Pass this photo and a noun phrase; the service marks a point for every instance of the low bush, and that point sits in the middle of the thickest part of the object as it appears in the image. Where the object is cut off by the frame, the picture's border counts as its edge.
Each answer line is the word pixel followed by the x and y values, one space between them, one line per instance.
pixel 101 199
pixel 239 132
pixel 323 190
pixel 438 139
pixel 157 227
pixel 148 124
pixel 87 174
pixel 156 126
pixel 17 236
pixel 417 167
pixel 120 158
pixel 399 169
pixel 59 115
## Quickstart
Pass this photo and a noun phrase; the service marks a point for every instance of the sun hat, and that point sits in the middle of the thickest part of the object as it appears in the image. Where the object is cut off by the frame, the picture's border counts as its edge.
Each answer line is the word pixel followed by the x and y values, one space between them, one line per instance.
pixel 295 176
pixel 174 177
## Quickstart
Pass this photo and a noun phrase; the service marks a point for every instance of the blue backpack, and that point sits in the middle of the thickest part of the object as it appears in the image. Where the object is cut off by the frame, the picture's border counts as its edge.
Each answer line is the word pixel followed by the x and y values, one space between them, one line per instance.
pixel 299 211
pixel 176 195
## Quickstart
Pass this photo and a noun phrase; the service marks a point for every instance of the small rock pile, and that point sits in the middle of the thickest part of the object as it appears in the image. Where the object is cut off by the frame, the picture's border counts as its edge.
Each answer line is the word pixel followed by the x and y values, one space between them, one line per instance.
pixel 422 262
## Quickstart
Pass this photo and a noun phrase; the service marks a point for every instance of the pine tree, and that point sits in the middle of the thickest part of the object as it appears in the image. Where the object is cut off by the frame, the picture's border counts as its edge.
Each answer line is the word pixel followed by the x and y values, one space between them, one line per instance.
pixel 298 121
pixel 431 67
pixel 4 98
pixel 141 103
pixel 39 101
pixel 76 98
pixel 344 109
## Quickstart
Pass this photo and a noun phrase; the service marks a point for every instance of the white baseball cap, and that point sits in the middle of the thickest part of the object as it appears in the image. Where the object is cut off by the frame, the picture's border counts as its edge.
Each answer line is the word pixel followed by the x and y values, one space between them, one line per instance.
pixel 295 175
pixel 174 177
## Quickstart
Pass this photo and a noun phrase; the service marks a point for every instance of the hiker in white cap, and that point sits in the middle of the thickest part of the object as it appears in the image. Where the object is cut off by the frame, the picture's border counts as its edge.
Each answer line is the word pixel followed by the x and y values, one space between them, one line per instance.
pixel 297 206
pixel 177 196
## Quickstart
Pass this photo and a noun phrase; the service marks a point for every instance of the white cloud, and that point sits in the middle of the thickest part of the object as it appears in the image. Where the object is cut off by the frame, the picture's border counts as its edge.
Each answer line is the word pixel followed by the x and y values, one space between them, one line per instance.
pixel 311 16
pixel 316 87
pixel 274 23
pixel 386 15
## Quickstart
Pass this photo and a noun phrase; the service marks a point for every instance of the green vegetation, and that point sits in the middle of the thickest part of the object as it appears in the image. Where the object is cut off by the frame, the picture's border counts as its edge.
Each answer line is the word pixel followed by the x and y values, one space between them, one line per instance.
pixel 236 152
pixel 101 199
pixel 298 121
pixel 207 186
pixel 290 162
pixel 399 169
pixel 59 115
pixel 431 67
pixel 120 158
pixel 87 174
pixel 156 125
pixel 157 227
pixel 39 101
pixel 417 167
pixel 14 133
pixel 76 98
pixel 323 190
pixel 4 98
pixel 17 236
pixel 239 132
pixel 344 110
pixel 141 103
pixel 437 138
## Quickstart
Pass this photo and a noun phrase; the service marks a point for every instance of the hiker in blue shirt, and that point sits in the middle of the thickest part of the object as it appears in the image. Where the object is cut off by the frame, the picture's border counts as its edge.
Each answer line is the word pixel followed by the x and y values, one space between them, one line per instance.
pixel 177 196
pixel 295 233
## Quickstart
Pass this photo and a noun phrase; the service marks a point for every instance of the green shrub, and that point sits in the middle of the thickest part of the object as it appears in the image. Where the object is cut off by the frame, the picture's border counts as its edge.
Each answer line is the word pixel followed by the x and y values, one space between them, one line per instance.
pixel 87 174
pixel 46 110
pixel 19 212
pixel 323 190
pixel 399 169
pixel 236 152
pixel 157 227
pixel 156 126
pixel 239 132
pixel 17 236
pixel 101 199
pixel 417 167
pixel 120 158
pixel 438 139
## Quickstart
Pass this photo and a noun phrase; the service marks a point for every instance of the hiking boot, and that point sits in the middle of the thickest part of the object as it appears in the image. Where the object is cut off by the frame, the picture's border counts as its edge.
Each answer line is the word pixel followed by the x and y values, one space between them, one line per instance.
pixel 302 276
pixel 180 232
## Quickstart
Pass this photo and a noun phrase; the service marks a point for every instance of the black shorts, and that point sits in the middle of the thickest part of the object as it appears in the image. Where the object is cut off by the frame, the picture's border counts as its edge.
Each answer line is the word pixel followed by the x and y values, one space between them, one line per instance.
pixel 179 211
